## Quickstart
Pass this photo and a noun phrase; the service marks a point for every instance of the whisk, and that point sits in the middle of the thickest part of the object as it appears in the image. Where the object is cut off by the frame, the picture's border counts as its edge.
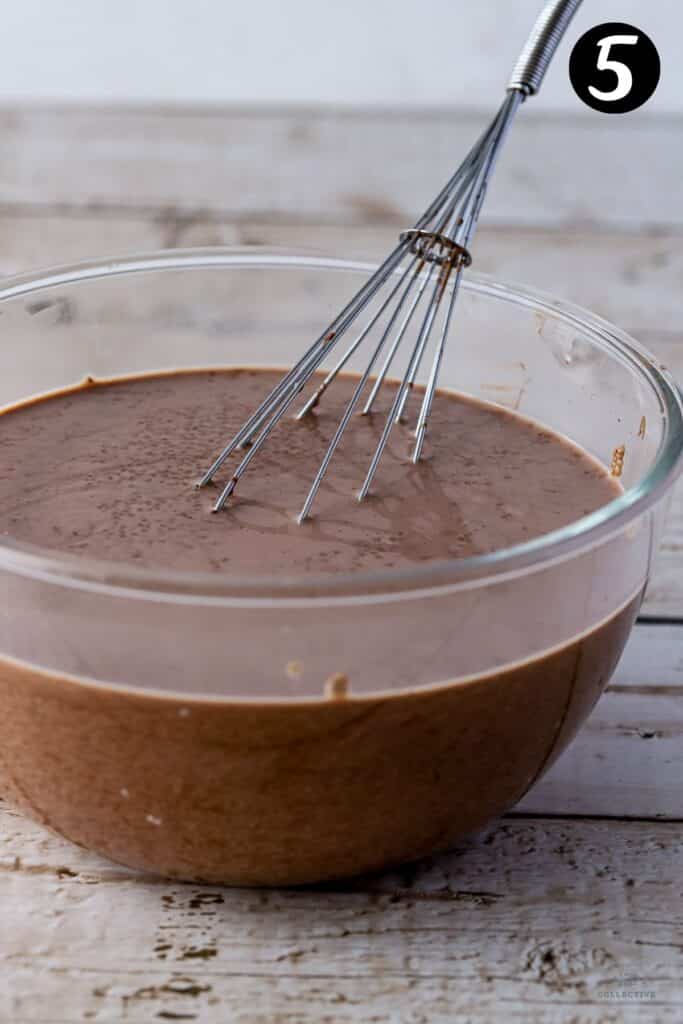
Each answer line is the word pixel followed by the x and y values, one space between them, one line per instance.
pixel 407 288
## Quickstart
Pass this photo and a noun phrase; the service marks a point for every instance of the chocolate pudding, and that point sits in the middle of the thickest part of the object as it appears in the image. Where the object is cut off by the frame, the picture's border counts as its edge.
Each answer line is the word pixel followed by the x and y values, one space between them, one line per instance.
pixel 287 785
pixel 107 471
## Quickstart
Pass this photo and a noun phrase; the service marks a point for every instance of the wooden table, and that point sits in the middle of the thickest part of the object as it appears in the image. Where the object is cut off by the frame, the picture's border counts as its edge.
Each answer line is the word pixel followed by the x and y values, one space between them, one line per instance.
pixel 571 908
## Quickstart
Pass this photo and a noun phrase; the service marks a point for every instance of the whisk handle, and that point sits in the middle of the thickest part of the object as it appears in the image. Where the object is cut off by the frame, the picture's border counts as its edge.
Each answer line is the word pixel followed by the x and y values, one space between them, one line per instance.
pixel 545 37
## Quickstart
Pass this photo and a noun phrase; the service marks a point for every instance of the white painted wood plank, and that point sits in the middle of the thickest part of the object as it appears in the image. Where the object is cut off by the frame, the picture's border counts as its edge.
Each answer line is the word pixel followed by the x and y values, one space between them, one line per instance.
pixel 341 167
pixel 543 921
pixel 630 278
pixel 29 242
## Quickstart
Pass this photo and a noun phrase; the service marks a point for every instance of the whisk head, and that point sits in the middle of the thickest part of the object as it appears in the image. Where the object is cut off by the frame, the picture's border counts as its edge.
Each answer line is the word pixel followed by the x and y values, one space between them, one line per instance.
pixel 409 301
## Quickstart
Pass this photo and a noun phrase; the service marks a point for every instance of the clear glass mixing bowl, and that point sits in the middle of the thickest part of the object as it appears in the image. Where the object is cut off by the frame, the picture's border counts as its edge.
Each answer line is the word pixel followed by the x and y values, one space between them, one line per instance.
pixel 169 637
pixel 550 361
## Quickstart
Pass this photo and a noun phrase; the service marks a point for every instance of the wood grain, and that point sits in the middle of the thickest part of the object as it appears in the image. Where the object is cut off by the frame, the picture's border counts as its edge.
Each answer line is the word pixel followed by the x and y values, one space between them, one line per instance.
pixel 337 166
pixel 541 920
pixel 628 277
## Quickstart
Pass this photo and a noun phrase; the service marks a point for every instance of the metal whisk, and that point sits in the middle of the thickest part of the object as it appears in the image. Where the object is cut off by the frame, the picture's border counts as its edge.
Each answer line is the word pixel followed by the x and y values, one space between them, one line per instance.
pixel 434 252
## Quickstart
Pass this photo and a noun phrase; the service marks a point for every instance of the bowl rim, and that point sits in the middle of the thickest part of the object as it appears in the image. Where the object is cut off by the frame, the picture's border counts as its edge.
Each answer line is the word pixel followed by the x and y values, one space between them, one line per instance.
pixel 384 584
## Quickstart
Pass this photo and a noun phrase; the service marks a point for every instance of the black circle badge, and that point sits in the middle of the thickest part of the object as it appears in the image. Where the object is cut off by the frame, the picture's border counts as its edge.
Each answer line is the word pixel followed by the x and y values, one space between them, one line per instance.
pixel 614 68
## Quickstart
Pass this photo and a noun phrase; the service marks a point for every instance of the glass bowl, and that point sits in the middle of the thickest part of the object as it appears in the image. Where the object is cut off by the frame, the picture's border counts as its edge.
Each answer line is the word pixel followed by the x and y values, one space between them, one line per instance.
pixel 156 717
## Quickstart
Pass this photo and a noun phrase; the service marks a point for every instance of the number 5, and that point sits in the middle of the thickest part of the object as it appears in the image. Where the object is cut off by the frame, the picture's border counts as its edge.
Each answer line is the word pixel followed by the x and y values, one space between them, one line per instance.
pixel 622 71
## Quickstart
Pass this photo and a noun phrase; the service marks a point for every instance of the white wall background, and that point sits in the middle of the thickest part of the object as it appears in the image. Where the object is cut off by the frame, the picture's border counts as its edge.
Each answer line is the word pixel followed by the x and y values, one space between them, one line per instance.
pixel 398 53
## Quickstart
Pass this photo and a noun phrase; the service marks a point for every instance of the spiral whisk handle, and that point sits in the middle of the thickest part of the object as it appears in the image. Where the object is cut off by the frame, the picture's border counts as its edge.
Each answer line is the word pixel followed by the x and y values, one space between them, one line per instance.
pixel 544 38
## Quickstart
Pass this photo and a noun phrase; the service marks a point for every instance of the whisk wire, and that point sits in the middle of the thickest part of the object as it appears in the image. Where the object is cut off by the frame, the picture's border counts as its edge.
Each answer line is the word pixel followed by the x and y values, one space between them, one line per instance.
pixel 325 342
pixel 443 217
pixel 379 380
pixel 277 408
pixel 318 393
pixel 350 408
pixel 446 231
pixel 411 370
pixel 437 252
pixel 454 189
pixel 458 219
pixel 504 121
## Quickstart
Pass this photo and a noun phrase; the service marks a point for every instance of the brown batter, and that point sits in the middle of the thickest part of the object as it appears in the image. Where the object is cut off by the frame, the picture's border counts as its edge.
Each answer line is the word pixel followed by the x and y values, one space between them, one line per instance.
pixel 107 471
pixel 280 792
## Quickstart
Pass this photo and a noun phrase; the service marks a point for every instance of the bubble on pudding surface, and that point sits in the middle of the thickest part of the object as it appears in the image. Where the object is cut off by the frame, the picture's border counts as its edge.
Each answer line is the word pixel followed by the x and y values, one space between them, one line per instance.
pixel 153 820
